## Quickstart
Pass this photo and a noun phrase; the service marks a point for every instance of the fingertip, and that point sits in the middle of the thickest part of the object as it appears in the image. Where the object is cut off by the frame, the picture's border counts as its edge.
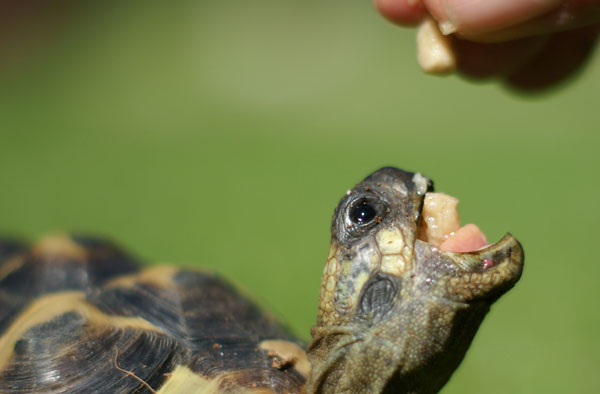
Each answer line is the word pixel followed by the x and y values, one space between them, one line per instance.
pixel 402 12
pixel 472 18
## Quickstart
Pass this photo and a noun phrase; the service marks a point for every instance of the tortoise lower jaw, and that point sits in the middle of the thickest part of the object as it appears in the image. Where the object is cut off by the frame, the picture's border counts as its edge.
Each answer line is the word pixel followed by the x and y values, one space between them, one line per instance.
pixel 487 273
pixel 504 254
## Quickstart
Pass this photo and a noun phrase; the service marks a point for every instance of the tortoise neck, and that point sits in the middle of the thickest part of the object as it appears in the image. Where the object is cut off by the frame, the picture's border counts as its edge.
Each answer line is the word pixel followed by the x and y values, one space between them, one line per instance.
pixel 338 367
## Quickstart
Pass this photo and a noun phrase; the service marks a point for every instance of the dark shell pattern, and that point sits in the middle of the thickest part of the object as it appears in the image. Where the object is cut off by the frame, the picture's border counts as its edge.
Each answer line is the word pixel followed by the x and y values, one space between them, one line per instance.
pixel 78 316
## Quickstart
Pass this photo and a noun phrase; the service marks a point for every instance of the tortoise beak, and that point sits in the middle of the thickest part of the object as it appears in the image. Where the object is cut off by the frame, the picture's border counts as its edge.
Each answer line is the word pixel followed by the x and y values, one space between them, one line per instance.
pixel 506 252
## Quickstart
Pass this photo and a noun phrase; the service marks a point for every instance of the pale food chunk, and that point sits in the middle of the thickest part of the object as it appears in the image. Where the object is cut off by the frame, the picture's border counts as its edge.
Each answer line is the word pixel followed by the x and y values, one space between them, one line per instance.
pixel 440 226
pixel 434 49
pixel 440 218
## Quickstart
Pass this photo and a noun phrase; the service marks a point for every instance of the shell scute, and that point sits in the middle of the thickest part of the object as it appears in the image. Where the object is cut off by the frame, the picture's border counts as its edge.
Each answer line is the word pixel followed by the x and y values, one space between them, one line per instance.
pixel 78 316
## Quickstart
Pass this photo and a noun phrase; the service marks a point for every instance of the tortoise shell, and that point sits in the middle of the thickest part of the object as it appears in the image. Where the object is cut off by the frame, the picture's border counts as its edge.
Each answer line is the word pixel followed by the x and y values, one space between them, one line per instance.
pixel 396 313
pixel 77 315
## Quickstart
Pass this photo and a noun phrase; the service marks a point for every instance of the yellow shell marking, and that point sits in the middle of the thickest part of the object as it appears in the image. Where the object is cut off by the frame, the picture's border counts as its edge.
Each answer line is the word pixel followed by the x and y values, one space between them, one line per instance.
pixel 52 305
pixel 59 245
pixel 10 266
pixel 160 276
pixel 289 352
pixel 184 381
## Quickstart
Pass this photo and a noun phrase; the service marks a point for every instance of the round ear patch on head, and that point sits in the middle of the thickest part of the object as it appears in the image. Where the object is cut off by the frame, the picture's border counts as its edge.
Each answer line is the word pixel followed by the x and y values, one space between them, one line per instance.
pixel 378 296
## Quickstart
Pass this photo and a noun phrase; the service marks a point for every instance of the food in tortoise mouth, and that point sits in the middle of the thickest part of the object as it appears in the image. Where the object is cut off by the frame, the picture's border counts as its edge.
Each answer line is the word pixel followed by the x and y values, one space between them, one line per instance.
pixel 440 225
pixel 396 313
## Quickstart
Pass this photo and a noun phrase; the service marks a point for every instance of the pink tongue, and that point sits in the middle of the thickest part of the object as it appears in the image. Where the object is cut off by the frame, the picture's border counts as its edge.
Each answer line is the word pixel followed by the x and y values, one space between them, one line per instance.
pixel 468 238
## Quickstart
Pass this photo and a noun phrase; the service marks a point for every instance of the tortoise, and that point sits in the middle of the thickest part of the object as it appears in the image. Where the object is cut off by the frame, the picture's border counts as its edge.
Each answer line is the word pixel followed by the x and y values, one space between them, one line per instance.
pixel 396 314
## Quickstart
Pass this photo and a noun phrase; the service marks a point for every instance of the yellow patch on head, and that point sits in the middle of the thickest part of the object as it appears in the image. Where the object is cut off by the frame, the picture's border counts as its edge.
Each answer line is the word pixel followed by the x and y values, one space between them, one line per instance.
pixel 361 279
pixel 328 281
pixel 345 268
pixel 330 284
pixel 347 293
pixel 50 306
pixel 390 241
pixel 393 264
pixel 331 267
pixel 332 250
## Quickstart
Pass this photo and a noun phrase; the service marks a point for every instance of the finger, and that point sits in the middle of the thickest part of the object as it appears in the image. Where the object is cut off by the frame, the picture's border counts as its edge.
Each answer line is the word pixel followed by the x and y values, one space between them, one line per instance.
pixel 570 15
pixel 561 59
pixel 471 18
pixel 403 12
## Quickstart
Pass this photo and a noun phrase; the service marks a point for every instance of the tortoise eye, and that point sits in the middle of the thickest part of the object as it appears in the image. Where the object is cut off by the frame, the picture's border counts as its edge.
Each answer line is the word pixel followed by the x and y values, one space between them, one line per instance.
pixel 357 215
pixel 362 213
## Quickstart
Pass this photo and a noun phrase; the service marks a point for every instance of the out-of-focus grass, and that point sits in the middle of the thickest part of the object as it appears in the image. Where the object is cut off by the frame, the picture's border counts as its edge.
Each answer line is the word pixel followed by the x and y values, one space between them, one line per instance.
pixel 223 134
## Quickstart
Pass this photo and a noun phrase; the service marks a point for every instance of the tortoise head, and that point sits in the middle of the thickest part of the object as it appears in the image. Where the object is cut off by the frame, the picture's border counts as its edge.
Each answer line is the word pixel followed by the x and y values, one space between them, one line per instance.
pixel 397 314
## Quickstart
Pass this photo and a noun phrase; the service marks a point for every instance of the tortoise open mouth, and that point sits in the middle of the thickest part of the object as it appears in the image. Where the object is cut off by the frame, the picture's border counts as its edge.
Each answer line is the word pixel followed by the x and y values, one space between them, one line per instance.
pixel 467 245
pixel 440 226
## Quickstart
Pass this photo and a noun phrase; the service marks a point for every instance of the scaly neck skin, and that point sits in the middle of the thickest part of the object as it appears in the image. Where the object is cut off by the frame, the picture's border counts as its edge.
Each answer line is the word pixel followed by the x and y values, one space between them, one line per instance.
pixel 397 314
pixel 394 356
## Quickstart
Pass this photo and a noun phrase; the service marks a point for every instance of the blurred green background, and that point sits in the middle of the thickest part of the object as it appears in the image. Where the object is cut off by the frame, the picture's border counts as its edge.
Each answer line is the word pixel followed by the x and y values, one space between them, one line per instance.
pixel 223 134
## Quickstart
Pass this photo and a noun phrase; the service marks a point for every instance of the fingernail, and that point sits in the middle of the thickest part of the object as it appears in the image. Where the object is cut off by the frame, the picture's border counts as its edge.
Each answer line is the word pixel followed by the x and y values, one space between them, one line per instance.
pixel 447 27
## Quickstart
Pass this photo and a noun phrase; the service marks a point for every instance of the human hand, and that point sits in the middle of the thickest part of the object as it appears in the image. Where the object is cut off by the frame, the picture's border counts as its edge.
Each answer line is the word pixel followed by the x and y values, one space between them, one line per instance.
pixel 530 44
